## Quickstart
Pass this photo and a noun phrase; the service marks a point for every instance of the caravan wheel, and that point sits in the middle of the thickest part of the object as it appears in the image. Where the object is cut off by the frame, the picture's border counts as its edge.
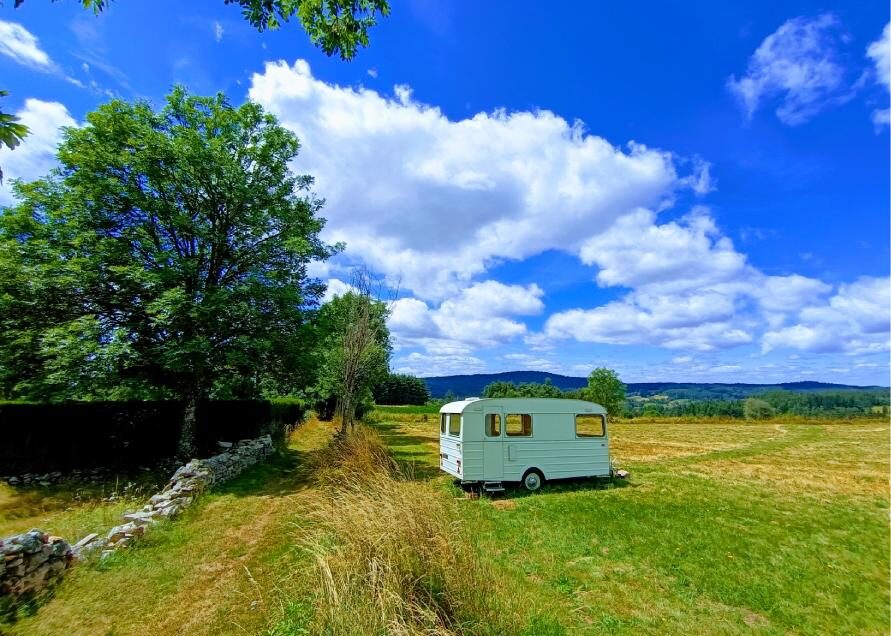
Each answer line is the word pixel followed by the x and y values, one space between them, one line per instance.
pixel 532 480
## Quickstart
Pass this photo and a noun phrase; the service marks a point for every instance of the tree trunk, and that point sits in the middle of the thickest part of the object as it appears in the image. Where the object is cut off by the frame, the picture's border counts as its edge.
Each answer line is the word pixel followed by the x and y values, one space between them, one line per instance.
pixel 187 447
pixel 345 420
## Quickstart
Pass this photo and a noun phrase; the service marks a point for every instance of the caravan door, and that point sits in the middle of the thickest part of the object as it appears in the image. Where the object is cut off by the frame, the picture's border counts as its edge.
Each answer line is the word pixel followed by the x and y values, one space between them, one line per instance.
pixel 493 455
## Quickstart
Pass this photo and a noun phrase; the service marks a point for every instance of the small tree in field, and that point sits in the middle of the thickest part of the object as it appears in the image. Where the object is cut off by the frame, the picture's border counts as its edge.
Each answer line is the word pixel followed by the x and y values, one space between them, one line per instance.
pixel 356 347
pixel 606 389
pixel 757 409
pixel 165 257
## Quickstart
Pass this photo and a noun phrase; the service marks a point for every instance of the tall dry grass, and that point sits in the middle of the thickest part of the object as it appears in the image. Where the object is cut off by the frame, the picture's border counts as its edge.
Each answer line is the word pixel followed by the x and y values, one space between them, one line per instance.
pixel 394 557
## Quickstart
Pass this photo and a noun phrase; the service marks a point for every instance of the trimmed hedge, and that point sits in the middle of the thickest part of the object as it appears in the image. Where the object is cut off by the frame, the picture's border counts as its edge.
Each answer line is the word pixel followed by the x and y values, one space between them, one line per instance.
pixel 126 435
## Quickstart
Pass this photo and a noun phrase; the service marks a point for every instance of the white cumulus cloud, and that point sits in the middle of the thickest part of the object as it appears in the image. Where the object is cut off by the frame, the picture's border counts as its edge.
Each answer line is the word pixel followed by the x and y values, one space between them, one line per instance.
pixel 19 44
pixel 880 53
pixel 435 202
pixel 689 288
pixel 798 63
pixel 37 154
pixel 481 315
pixel 854 320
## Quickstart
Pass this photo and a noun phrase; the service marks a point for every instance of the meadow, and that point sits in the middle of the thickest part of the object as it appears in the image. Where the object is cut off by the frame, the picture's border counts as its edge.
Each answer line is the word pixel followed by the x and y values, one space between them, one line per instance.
pixel 725 527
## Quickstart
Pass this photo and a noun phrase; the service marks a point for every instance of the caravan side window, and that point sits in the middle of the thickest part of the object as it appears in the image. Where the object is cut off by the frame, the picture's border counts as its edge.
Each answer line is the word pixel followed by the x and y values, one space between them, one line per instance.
pixel 590 425
pixel 518 425
pixel 493 425
pixel 442 423
pixel 455 424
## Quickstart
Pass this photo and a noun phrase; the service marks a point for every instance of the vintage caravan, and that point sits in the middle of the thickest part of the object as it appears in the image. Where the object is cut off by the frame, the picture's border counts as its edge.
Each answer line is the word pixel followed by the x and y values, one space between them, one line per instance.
pixel 486 442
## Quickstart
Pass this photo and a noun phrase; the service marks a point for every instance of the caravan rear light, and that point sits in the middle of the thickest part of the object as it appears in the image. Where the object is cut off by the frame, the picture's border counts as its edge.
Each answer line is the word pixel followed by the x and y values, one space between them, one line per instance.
pixel 459 465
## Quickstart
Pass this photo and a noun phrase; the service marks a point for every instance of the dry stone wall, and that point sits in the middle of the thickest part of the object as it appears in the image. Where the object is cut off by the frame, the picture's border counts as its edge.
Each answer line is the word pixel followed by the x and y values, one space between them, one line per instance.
pixel 189 481
pixel 30 564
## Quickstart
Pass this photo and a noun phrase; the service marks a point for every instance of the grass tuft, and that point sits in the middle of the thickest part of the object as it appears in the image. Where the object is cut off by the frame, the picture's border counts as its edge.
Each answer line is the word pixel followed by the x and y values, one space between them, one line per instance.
pixel 394 556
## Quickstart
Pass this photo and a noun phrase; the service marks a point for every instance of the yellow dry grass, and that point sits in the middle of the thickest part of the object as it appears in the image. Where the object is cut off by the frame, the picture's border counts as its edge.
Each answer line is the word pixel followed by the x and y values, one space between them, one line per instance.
pixel 392 555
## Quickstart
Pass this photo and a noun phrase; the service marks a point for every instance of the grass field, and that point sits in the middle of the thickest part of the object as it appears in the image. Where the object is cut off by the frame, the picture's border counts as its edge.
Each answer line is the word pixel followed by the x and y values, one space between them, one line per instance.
pixel 725 527
pixel 728 527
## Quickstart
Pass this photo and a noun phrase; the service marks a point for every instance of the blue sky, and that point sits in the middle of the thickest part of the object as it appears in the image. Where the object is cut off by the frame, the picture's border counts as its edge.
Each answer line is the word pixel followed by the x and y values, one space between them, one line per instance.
pixel 681 191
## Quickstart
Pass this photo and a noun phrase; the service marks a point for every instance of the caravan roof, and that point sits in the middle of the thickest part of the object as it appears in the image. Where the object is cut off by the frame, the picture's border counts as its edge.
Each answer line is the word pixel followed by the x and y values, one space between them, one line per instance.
pixel 532 405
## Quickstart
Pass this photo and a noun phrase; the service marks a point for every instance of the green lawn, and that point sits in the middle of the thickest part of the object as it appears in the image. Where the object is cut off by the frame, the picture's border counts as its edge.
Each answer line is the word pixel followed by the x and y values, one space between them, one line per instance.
pixel 724 528
pixel 232 564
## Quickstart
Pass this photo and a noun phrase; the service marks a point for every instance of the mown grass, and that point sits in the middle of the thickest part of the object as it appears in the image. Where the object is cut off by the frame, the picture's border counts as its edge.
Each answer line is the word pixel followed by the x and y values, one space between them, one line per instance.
pixel 725 527
pixel 73 509
pixel 409 409
pixel 228 566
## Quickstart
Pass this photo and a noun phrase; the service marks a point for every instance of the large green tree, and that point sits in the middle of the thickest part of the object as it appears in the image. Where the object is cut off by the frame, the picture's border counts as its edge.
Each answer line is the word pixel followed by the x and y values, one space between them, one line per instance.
pixel 166 256
pixel 335 26
pixel 606 389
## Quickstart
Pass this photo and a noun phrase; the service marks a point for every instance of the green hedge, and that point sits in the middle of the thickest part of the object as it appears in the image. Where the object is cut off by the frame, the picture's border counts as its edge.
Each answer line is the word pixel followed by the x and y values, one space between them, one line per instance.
pixel 127 435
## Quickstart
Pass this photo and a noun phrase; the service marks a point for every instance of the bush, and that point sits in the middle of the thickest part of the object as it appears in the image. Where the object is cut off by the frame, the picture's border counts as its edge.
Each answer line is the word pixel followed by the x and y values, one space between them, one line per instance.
pixel 756 409
pixel 127 435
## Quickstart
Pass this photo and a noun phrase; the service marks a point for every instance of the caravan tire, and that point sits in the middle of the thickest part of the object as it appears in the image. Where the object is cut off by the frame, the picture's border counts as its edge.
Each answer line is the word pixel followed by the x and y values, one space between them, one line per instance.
pixel 533 479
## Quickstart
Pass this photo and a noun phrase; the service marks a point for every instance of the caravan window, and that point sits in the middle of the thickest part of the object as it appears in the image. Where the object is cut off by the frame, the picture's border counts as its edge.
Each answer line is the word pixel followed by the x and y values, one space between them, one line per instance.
pixel 493 425
pixel 442 423
pixel 455 424
pixel 518 425
pixel 590 425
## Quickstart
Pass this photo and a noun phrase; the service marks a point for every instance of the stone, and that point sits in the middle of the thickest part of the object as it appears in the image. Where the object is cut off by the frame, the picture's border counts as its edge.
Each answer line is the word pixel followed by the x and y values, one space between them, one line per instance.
pixel 30 563
pixel 31 542
pixel 224 445
pixel 170 511
pixel 118 532
pixel 87 540
pixel 143 517
pixel 37 559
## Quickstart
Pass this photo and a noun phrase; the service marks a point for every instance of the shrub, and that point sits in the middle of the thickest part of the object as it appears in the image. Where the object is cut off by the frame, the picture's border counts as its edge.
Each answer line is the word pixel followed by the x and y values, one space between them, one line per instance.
pixel 127 435
pixel 757 409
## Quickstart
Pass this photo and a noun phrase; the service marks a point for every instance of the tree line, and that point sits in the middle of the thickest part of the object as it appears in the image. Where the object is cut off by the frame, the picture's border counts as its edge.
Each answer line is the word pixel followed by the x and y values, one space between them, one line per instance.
pixel 605 388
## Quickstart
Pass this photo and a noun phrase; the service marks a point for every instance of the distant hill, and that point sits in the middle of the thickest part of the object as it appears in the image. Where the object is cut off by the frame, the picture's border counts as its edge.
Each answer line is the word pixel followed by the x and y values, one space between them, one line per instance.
pixel 473 385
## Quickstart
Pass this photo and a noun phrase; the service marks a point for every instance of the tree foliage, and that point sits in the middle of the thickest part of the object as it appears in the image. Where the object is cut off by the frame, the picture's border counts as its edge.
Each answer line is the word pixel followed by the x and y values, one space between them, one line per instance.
pixel 335 26
pixel 757 409
pixel 354 349
pixel 165 257
pixel 606 389
pixel 399 389
pixel 11 131
pixel 526 389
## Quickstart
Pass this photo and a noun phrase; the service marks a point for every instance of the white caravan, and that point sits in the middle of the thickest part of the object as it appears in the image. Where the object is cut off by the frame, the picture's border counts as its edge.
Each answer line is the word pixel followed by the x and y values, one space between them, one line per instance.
pixel 485 442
